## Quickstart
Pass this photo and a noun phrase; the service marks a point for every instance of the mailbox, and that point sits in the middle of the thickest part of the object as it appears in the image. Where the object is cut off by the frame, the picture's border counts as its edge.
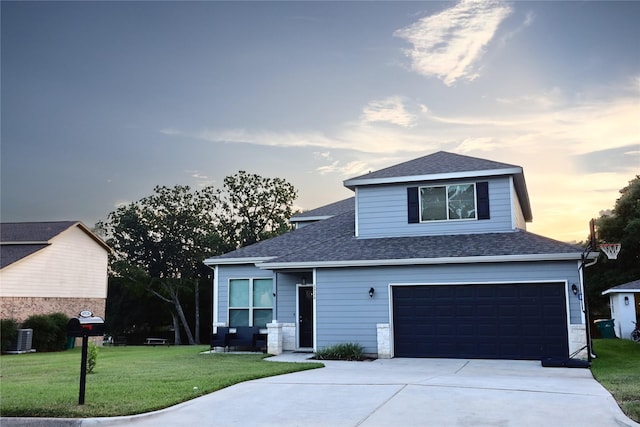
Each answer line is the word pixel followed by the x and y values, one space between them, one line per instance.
pixel 90 326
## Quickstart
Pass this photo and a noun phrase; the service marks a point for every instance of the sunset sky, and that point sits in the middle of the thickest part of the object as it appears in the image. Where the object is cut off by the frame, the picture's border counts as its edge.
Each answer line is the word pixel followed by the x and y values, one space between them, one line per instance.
pixel 101 101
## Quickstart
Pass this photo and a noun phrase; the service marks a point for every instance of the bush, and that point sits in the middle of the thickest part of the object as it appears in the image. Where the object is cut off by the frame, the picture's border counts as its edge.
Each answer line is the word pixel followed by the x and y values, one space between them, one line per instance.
pixel 92 357
pixel 8 333
pixel 49 331
pixel 346 351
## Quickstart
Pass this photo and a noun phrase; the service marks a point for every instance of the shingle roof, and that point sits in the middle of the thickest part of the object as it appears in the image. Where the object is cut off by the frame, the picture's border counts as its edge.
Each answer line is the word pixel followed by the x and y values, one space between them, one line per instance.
pixel 332 241
pixel 20 239
pixel 315 233
pixel 631 286
pixel 326 211
pixel 32 231
pixel 436 163
pixel 345 249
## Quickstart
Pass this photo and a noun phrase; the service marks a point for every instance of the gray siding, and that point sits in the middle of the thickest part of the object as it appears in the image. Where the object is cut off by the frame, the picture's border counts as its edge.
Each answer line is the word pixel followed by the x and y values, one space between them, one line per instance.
pixel 518 217
pixel 382 212
pixel 345 313
pixel 226 272
pixel 286 297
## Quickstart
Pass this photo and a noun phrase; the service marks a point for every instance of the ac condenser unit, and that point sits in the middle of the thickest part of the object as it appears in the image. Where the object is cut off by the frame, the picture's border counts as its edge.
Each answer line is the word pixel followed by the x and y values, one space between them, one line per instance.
pixel 23 341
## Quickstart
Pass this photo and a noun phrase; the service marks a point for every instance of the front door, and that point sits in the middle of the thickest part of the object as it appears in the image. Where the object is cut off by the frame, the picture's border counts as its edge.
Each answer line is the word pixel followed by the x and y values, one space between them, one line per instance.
pixel 305 316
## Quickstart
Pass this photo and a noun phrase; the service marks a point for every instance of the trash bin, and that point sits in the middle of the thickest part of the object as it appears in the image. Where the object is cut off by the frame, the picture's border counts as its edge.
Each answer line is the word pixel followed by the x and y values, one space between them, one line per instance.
pixel 71 343
pixel 605 326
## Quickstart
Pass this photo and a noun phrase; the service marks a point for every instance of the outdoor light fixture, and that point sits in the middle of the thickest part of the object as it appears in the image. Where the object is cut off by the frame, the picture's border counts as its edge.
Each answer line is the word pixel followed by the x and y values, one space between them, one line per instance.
pixel 574 289
pixel 371 291
pixel 626 300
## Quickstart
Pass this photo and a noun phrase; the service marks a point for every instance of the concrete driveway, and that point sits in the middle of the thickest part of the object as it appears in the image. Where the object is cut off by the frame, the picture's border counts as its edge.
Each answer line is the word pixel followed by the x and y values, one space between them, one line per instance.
pixel 400 392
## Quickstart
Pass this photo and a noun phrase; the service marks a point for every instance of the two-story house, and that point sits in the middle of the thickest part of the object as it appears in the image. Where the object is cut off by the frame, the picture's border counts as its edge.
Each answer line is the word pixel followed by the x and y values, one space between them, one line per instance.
pixel 431 258
pixel 50 267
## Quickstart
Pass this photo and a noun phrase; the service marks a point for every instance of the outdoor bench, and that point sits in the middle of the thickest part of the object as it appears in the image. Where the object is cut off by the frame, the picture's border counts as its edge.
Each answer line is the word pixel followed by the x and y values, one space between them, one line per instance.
pixel 156 341
pixel 219 338
pixel 239 336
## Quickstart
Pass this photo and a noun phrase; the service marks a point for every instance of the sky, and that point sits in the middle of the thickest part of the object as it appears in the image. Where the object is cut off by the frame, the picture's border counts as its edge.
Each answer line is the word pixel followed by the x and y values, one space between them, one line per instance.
pixel 102 101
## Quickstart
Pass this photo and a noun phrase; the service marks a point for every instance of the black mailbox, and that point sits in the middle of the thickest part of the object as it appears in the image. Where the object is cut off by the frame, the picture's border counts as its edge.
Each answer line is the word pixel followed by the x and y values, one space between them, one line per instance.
pixel 90 326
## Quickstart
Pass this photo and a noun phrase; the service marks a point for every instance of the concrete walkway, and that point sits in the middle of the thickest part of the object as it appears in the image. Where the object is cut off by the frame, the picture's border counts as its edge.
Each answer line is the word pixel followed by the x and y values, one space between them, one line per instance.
pixel 399 392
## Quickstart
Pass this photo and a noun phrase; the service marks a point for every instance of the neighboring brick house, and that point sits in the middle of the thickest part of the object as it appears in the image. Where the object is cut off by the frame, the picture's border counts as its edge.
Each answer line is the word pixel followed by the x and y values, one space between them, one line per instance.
pixel 50 267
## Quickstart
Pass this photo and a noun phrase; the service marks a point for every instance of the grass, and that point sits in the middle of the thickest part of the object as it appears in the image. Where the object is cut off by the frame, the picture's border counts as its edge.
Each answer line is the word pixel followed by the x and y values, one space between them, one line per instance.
pixel 132 380
pixel 125 381
pixel 617 368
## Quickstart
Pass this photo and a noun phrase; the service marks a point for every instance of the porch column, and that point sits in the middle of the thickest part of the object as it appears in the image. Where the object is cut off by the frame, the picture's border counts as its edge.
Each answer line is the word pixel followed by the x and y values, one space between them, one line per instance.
pixel 274 338
pixel 384 341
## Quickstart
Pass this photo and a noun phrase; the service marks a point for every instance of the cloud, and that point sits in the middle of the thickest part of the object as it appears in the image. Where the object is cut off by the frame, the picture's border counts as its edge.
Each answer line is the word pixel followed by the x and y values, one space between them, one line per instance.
pixel 552 98
pixel 353 168
pixel 202 180
pixel 477 144
pixel 390 110
pixel 450 44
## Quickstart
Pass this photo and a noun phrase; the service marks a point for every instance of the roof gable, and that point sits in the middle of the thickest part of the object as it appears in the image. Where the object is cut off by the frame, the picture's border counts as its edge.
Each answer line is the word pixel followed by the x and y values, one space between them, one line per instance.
pixel 446 166
pixel 21 239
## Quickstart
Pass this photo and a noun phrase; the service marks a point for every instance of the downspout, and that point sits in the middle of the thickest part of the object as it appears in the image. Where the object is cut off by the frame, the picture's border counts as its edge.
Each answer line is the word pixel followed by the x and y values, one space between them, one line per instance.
pixel 585 303
pixel 214 297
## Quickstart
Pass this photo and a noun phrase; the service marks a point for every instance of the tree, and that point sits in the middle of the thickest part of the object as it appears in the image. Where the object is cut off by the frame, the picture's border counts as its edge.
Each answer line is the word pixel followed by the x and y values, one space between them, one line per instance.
pixel 621 225
pixel 161 240
pixel 254 209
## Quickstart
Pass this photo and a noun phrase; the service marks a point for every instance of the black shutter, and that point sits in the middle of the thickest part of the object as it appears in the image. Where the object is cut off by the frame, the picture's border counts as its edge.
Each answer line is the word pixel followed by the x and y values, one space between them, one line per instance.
pixel 413 205
pixel 482 199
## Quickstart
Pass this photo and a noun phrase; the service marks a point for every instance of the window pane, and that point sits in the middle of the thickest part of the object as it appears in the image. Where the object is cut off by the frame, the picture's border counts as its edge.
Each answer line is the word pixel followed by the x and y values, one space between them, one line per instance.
pixel 239 293
pixel 262 293
pixel 238 318
pixel 434 203
pixel 462 201
pixel 261 318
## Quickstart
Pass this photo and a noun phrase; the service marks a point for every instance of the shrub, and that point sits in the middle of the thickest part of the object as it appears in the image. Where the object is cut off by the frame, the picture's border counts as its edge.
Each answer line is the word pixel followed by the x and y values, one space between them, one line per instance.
pixel 92 357
pixel 345 351
pixel 49 331
pixel 8 333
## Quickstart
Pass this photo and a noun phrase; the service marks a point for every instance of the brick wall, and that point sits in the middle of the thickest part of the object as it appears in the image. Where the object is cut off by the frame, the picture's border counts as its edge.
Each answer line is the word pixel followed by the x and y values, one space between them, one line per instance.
pixel 19 308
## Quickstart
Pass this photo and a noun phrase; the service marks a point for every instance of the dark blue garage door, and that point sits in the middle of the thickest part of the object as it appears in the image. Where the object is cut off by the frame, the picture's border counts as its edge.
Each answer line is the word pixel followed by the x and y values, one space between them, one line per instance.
pixel 502 321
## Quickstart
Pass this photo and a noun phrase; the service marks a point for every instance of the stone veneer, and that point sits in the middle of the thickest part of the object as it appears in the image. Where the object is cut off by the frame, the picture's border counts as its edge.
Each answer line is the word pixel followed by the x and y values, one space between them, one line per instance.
pixel 20 308
pixel 282 337
pixel 578 340
pixel 384 340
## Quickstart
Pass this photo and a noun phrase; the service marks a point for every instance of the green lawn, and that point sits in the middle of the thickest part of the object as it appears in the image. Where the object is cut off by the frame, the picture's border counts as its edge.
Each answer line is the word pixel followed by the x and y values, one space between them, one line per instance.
pixel 617 368
pixel 131 380
pixel 126 380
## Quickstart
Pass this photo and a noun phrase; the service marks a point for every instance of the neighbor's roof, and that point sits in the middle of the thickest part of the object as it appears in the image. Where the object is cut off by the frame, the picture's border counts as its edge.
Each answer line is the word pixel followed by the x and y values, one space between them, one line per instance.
pixel 20 239
pixel 626 287
pixel 443 166
pixel 331 243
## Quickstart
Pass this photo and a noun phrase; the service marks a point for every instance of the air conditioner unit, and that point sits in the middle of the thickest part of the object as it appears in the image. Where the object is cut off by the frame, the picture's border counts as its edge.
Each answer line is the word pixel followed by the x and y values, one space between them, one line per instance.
pixel 23 342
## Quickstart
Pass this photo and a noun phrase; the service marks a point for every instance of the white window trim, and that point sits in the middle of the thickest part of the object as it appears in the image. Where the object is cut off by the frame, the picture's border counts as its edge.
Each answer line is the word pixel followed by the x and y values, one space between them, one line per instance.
pixel 250 308
pixel 446 186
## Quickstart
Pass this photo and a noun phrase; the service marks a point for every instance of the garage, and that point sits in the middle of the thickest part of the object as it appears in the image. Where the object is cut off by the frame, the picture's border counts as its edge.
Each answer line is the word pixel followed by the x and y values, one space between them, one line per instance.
pixel 487 321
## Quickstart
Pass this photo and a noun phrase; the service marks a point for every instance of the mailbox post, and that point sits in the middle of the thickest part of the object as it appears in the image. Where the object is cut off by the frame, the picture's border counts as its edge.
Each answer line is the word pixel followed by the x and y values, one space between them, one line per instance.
pixel 85 325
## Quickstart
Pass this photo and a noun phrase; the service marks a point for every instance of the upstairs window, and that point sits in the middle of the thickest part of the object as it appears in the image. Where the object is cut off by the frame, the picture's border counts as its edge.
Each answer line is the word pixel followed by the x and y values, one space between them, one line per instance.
pixel 250 302
pixel 448 202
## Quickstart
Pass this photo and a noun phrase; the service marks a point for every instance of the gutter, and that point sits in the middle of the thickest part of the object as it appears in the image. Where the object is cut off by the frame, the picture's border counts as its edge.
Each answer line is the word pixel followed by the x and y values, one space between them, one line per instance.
pixel 420 261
